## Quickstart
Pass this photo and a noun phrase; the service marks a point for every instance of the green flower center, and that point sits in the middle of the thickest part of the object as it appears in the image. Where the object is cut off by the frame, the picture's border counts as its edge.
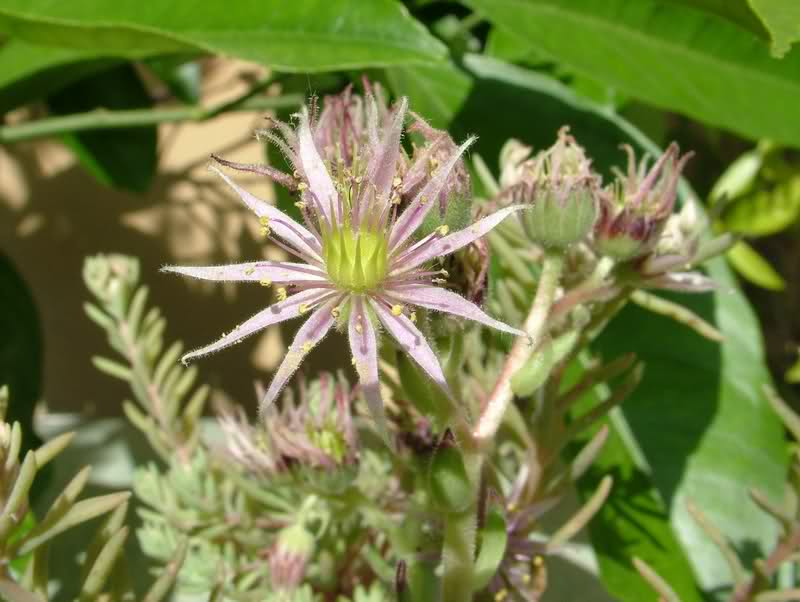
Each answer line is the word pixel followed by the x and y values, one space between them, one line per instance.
pixel 355 261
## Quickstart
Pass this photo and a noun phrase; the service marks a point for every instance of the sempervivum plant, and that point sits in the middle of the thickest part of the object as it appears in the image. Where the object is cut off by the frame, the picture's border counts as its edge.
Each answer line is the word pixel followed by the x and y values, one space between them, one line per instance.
pixel 359 265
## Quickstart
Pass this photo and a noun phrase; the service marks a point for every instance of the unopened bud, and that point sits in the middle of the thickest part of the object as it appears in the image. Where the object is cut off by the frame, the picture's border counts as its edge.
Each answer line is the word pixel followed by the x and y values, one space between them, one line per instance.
pixel 635 208
pixel 562 190
pixel 289 557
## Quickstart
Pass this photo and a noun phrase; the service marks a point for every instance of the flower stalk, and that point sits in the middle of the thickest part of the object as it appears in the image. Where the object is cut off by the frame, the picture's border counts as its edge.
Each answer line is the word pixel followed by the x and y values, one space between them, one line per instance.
pixel 535 327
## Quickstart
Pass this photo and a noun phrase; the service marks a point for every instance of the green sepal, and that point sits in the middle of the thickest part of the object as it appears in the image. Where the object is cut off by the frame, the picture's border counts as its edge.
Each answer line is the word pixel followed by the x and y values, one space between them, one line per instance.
pixel 457 216
pixel 448 481
pixel 493 539
pixel 534 374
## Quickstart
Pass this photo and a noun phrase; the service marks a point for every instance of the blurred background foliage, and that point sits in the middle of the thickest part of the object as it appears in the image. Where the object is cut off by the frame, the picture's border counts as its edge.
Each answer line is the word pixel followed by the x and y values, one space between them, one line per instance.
pixel 110 110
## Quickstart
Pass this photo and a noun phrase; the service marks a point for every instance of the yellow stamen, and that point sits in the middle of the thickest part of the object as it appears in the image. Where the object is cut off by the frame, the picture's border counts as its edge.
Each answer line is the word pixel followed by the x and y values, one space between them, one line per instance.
pixel 303 308
pixel 307 346
pixel 301 205
pixel 501 595
pixel 397 181
pixel 335 312
pixel 444 229
pixel 265 282
pixel 249 271
pixel 282 294
pixel 302 186
pixel 413 316
pixel 397 310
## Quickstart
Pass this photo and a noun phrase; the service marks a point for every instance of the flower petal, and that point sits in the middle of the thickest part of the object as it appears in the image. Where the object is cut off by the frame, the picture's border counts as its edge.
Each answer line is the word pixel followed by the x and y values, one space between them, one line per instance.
pixel 364 345
pixel 283 225
pixel 415 213
pixel 275 272
pixel 310 333
pixel 274 314
pixel 319 180
pixel 412 341
pixel 383 164
pixel 452 242
pixel 276 175
pixel 440 299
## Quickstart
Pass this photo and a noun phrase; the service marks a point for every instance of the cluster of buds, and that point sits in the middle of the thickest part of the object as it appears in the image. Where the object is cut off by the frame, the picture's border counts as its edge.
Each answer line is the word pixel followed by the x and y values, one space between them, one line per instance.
pixel 316 431
pixel 631 220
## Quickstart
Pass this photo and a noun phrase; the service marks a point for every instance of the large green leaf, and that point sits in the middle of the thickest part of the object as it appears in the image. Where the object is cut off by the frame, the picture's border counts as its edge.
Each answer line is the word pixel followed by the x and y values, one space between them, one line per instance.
pixel 31 72
pixel 124 157
pixel 293 36
pixel 697 420
pixel 736 11
pixel 667 54
pixel 435 92
pixel 782 19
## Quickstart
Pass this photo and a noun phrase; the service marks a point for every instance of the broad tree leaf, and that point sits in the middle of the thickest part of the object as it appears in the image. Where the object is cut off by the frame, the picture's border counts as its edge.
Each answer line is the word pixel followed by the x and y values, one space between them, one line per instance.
pixel 435 92
pixel 30 72
pixel 313 35
pixel 736 11
pixel 782 19
pixel 667 54
pixel 126 157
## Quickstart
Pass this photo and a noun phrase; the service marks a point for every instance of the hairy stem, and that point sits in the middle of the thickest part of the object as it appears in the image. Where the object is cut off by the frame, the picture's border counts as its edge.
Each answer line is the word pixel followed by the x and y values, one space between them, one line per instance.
pixel 521 352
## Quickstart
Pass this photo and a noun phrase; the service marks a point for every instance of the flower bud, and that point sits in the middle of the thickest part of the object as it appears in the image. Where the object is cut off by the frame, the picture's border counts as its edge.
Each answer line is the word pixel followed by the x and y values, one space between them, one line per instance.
pixel 635 208
pixel 562 190
pixel 289 557
pixel 454 200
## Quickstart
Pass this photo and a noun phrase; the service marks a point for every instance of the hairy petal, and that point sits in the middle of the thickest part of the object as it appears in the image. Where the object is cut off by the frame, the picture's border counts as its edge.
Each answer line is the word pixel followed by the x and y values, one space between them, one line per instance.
pixel 383 163
pixel 319 180
pixel 274 314
pixel 440 299
pixel 276 175
pixel 412 341
pixel 309 335
pixel 415 213
pixel 280 223
pixel 452 242
pixel 364 345
pixel 276 272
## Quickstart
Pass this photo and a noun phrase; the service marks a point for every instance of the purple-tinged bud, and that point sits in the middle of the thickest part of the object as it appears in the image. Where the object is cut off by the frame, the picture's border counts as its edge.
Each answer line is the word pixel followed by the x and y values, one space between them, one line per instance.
pixel 562 189
pixel 315 433
pixel 289 557
pixel 346 124
pixel 635 208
